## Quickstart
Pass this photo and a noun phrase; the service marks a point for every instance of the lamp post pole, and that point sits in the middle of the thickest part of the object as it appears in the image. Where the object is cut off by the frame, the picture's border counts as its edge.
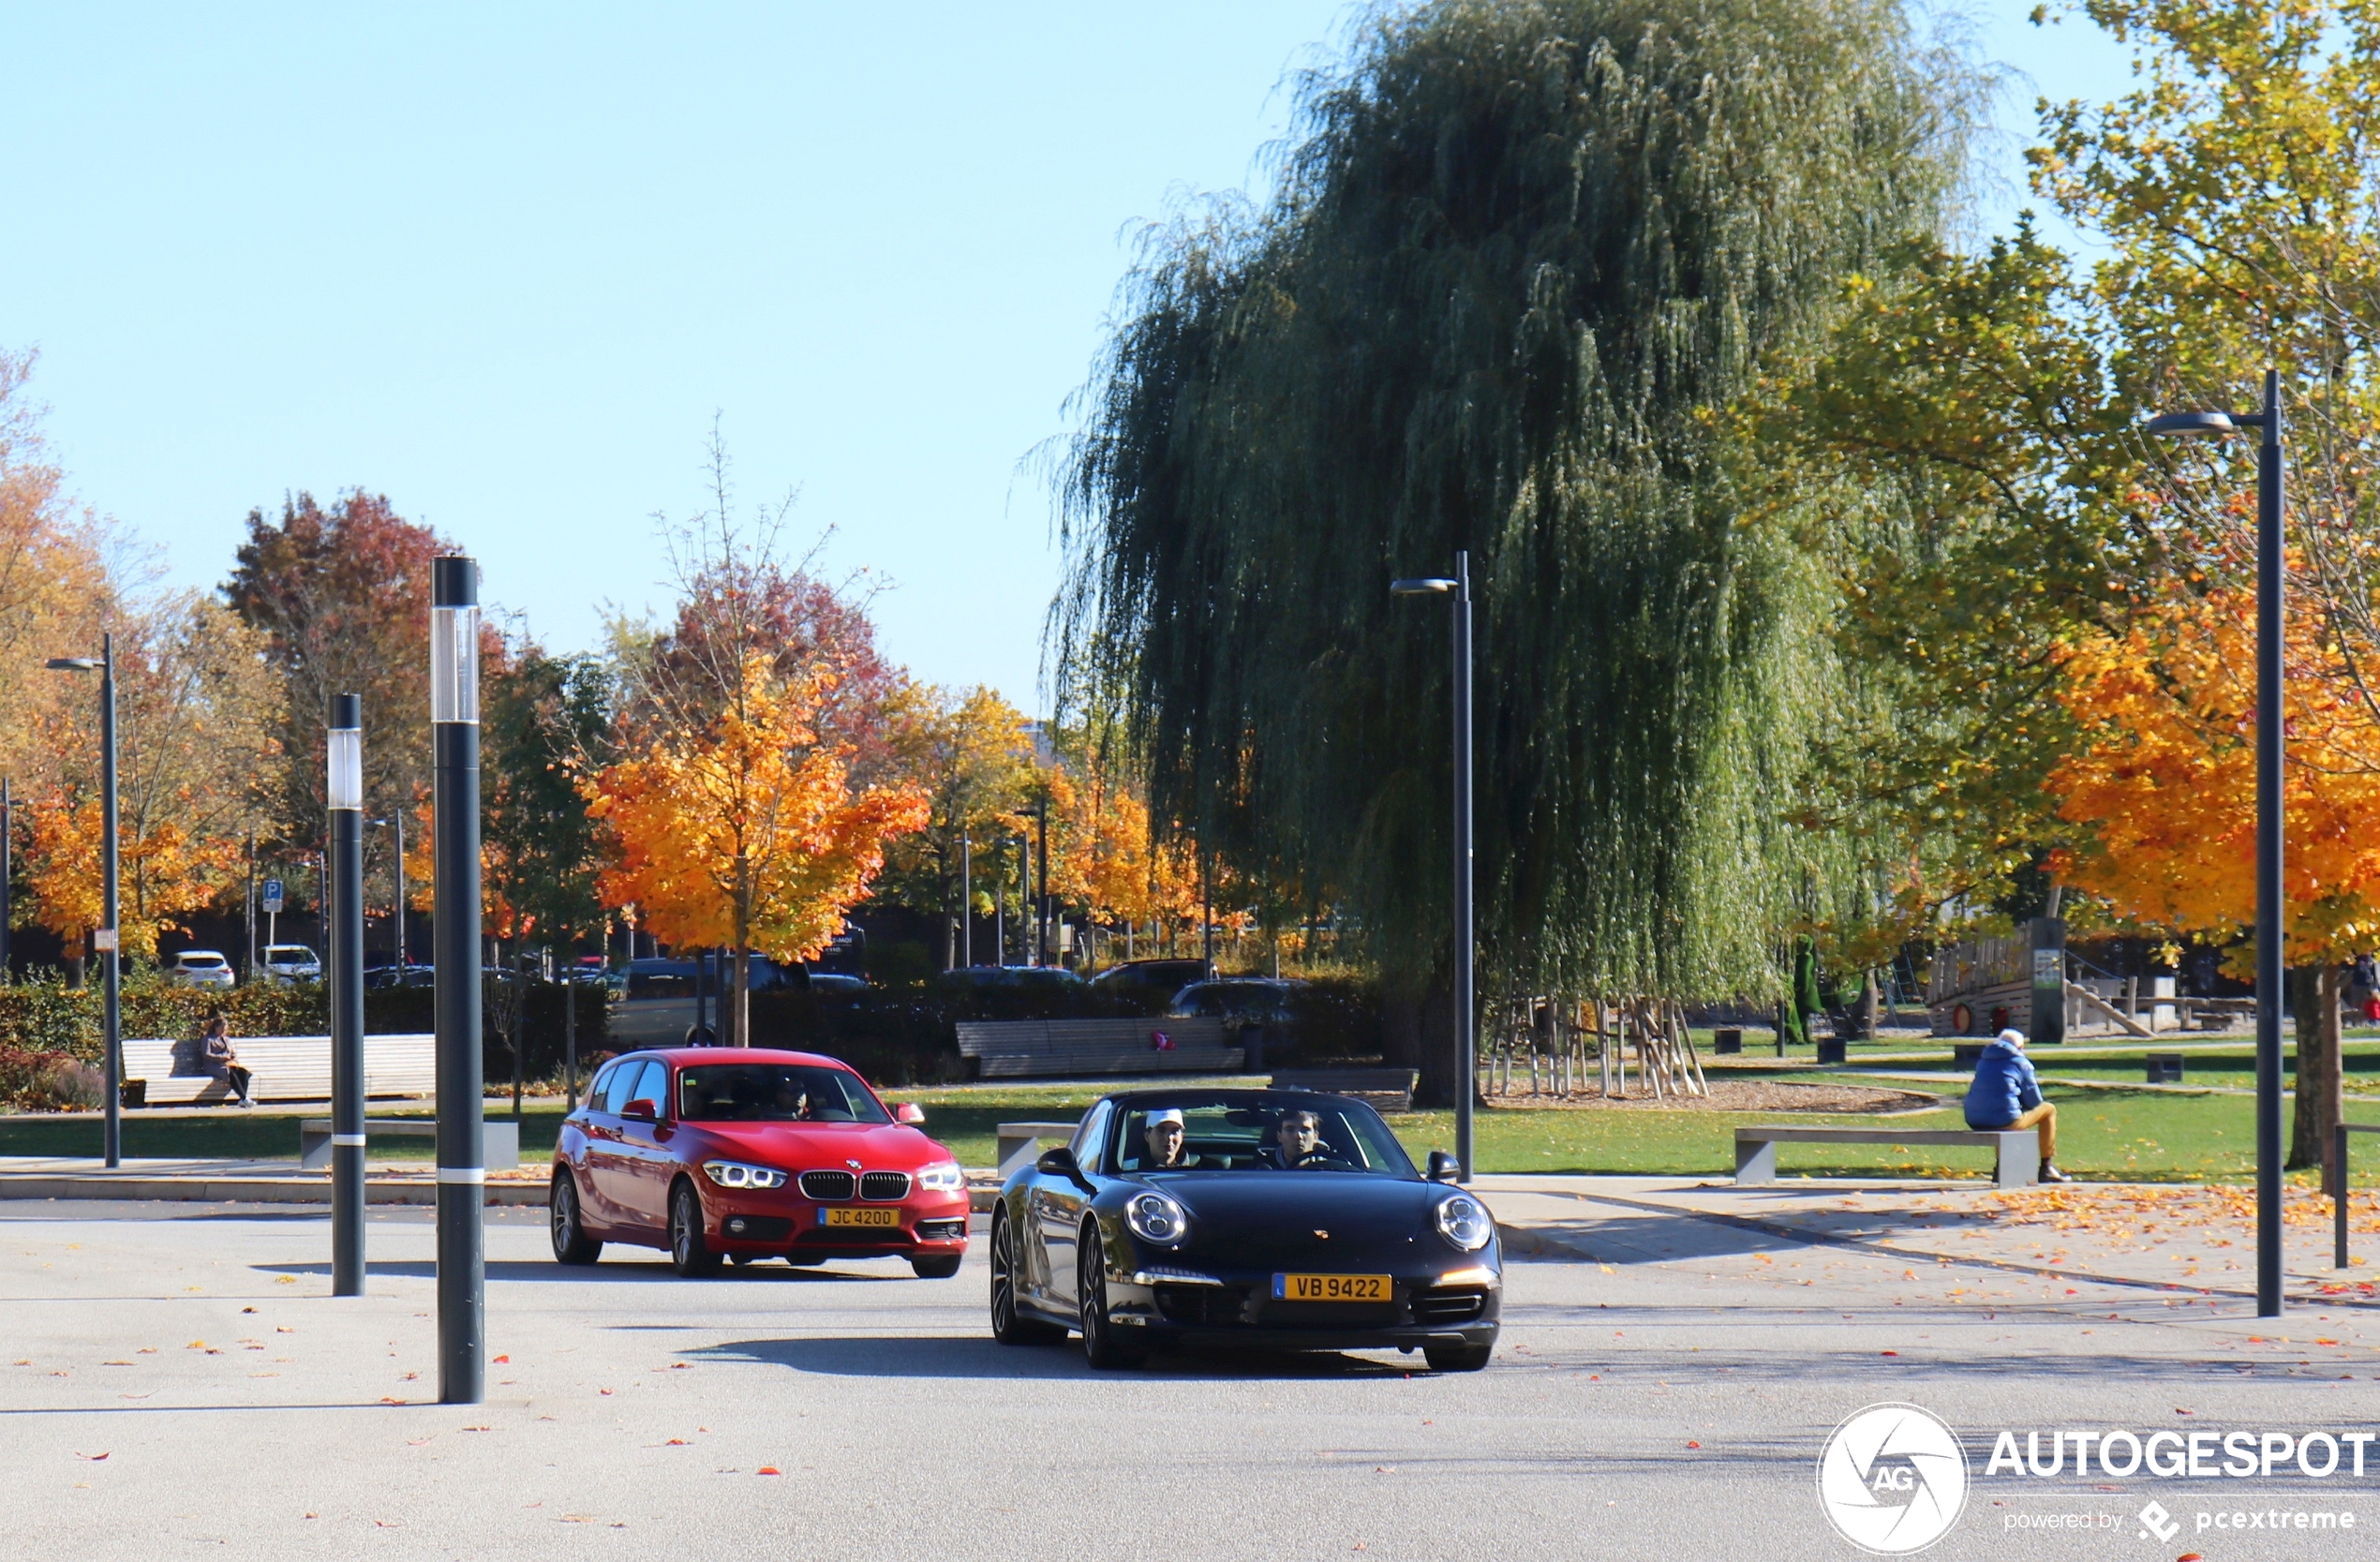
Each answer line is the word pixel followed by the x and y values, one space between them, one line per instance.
pixel 8 866
pixel 2271 753
pixel 966 900
pixel 345 794
pixel 1458 592
pixel 110 965
pixel 462 1165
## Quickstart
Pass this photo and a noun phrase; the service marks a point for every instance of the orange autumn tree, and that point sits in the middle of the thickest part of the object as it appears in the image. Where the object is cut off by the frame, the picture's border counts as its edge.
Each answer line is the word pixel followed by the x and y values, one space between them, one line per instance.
pixel 2167 796
pixel 164 873
pixel 747 832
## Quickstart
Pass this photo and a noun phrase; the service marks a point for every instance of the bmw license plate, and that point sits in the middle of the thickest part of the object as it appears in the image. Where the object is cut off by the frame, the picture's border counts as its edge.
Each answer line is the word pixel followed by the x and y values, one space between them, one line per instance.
pixel 858 1218
pixel 1331 1287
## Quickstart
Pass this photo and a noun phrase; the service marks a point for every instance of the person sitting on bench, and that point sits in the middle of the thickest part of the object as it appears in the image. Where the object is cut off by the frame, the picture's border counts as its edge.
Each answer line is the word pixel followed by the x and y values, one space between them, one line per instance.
pixel 221 1061
pixel 2007 1095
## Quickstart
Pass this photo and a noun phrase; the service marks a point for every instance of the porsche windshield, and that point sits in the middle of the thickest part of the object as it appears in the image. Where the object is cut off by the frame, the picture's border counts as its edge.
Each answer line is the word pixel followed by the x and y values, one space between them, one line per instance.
pixel 774 1093
pixel 1295 1132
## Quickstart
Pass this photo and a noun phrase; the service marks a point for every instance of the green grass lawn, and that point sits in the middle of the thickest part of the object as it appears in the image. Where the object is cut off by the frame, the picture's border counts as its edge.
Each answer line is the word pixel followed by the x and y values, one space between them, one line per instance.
pixel 2109 1134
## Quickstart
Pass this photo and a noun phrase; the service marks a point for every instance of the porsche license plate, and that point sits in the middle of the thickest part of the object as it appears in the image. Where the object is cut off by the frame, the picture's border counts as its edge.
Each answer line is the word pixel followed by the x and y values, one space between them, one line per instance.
pixel 1331 1287
pixel 858 1218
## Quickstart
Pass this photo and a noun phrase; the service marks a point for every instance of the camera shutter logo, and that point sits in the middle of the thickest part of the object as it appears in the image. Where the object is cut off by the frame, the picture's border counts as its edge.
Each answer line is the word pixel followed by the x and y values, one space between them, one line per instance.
pixel 1893 1478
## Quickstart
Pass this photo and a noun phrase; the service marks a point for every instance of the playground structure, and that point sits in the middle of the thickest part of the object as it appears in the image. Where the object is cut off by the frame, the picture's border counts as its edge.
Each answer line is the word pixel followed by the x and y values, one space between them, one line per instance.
pixel 1979 987
pixel 1565 1046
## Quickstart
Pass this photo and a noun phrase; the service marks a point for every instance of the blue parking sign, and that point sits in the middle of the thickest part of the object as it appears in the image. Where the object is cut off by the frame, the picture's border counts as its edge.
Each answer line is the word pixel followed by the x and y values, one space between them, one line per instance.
pixel 273 895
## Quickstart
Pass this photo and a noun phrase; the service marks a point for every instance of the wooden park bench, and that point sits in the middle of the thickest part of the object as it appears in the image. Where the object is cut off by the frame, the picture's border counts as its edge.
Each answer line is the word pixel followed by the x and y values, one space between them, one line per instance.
pixel 1388 1090
pixel 280 1068
pixel 2019 1148
pixel 1088 1048
pixel 500 1142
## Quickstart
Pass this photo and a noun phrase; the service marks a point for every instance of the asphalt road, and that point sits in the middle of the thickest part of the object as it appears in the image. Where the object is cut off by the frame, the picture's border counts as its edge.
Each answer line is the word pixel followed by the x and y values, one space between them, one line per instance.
pixel 1668 1404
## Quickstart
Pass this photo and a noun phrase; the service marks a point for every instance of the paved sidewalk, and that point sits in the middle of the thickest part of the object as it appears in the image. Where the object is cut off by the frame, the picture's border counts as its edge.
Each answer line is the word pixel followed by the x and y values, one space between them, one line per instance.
pixel 1980 1244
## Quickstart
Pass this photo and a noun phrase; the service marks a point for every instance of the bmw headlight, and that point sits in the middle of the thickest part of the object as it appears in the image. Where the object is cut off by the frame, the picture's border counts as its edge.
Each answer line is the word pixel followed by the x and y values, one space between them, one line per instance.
pixel 1155 1218
pixel 943 1177
pixel 740 1174
pixel 1462 1220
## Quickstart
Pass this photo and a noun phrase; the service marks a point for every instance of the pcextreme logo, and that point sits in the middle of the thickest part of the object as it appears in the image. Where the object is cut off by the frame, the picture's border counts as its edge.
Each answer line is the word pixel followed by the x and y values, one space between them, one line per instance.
pixel 1893 1478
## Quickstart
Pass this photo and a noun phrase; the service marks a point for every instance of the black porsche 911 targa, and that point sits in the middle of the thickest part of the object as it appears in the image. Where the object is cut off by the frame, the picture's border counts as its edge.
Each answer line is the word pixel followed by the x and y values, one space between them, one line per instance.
pixel 1275 1219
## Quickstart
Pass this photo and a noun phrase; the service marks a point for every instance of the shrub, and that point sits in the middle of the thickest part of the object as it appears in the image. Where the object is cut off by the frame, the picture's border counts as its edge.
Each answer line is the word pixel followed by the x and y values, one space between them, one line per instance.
pixel 66 1084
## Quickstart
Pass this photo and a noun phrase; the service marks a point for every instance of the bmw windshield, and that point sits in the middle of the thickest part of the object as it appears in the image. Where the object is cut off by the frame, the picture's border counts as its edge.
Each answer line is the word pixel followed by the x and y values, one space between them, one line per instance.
pixel 774 1093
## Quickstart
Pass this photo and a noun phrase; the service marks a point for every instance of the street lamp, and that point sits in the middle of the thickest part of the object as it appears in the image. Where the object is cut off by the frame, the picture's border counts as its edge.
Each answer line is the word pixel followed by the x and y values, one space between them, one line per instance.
pixel 343 792
pixel 2269 909
pixel 461 1153
pixel 103 939
pixel 396 822
pixel 1465 1018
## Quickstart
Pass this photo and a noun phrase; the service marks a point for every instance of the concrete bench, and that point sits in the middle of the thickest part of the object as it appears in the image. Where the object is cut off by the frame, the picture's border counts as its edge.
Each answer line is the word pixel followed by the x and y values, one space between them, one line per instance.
pixel 1090 1049
pixel 1020 1143
pixel 281 1068
pixel 2018 1149
pixel 1390 1089
pixel 500 1142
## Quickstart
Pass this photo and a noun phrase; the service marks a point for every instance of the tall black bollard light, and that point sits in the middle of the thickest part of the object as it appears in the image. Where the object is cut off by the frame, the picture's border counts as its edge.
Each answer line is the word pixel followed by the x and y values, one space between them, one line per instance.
pixel 462 1162
pixel 344 793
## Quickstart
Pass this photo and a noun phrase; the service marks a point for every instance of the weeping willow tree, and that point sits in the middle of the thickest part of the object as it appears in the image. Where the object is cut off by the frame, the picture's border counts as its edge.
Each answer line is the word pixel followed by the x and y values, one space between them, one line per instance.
pixel 1528 264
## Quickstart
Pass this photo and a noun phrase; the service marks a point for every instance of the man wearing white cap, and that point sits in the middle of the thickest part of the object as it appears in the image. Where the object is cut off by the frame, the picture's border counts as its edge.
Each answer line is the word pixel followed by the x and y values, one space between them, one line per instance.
pixel 1163 1132
pixel 2006 1094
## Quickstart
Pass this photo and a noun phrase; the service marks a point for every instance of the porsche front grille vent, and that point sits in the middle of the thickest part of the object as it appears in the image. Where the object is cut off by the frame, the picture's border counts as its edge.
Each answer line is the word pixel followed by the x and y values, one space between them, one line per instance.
pixel 1447 1306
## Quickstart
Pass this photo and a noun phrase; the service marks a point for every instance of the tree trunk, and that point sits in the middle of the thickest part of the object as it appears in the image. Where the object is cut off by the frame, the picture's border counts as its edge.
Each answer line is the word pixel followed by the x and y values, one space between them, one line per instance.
pixel 739 1023
pixel 1863 1016
pixel 2320 1095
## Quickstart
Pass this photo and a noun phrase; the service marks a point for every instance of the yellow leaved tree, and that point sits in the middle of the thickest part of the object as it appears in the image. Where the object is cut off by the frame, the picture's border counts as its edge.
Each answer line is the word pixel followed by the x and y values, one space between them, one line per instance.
pixel 747 832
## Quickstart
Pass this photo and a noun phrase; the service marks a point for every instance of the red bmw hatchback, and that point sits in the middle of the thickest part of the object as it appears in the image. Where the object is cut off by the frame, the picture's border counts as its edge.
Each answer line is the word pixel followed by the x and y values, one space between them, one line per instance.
pixel 727 1153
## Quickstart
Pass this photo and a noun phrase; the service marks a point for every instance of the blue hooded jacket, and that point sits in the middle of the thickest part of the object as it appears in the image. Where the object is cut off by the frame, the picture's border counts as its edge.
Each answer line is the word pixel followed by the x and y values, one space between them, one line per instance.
pixel 2005 1086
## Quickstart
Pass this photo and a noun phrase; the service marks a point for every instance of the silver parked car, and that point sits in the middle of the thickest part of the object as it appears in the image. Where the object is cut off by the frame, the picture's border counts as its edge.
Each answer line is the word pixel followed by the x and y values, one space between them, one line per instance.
pixel 289 962
pixel 200 968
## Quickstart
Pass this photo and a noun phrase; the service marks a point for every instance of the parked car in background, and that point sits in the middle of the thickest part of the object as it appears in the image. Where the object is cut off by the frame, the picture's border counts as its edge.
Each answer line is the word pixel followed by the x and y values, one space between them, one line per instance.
pixel 836 983
pixel 1010 976
pixel 201 968
pixel 289 962
pixel 1250 1000
pixel 1152 980
pixel 407 975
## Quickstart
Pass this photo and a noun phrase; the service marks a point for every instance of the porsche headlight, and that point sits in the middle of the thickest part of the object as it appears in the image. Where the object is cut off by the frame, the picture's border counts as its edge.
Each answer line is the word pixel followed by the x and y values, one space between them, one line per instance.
pixel 943 1177
pixel 740 1174
pixel 1462 1220
pixel 1155 1218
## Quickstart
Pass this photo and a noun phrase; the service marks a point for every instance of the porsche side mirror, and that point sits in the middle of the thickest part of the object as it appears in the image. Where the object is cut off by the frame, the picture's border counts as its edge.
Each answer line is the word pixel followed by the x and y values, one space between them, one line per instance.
pixel 1444 1167
pixel 1058 1162
pixel 909 1111
pixel 646 1111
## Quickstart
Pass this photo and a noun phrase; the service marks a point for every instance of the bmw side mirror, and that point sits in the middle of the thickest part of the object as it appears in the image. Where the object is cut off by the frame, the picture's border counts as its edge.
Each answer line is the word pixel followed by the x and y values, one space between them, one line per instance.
pixel 643 1110
pixel 1444 1167
pixel 909 1111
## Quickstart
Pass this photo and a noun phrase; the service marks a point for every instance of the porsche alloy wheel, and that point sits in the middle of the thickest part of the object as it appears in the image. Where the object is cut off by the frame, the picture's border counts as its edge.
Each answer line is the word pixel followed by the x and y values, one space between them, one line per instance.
pixel 1100 1341
pixel 572 1244
pixel 1007 1326
pixel 688 1254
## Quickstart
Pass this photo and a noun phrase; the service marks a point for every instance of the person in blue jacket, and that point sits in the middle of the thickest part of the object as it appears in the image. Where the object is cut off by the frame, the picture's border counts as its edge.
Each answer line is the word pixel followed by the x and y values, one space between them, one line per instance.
pixel 2007 1095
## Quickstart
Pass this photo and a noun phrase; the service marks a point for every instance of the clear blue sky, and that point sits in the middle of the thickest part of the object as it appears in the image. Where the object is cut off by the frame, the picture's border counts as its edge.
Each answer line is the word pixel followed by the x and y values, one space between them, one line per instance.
pixel 502 263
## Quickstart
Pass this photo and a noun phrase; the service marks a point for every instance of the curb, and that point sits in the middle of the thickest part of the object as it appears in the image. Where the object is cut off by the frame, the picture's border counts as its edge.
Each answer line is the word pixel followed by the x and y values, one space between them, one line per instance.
pixel 248 1190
